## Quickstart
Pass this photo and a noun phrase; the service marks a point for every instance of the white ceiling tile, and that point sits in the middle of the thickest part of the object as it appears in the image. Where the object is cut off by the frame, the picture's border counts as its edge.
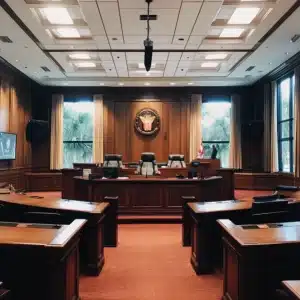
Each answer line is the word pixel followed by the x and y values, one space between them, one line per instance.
pixel 207 14
pixel 92 17
pixel 155 4
pixel 111 17
pixel 187 17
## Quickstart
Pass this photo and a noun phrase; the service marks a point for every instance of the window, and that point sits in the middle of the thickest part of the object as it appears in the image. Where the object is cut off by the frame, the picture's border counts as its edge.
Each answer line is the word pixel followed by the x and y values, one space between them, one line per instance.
pixel 78 132
pixel 285 125
pixel 216 129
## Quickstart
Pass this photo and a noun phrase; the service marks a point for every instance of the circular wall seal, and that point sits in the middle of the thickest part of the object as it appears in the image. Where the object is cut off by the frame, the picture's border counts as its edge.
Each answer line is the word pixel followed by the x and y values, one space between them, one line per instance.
pixel 147 121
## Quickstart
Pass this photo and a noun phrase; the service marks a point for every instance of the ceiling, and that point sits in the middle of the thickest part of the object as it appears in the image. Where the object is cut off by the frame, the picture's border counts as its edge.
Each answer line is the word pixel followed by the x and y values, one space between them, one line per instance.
pixel 201 43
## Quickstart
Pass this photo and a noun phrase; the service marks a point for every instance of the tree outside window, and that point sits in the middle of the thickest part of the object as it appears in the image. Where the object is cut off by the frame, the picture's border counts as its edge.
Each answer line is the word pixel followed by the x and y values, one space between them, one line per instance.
pixel 216 129
pixel 285 123
pixel 78 132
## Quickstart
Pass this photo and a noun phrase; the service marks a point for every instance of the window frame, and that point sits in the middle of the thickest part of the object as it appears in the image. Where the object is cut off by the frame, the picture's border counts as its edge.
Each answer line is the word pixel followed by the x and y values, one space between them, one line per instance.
pixel 218 99
pixel 290 121
pixel 91 142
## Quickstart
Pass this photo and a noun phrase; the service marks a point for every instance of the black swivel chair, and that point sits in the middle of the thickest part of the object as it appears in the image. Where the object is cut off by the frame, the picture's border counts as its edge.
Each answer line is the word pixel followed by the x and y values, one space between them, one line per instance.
pixel 113 160
pixel 176 161
pixel 147 164
pixel 269 210
pixel 44 218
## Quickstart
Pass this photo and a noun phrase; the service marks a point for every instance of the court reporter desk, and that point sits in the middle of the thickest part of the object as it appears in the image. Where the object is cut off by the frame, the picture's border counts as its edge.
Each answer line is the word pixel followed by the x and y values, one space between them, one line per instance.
pixel 148 195
pixel 40 261
pixel 258 257
pixel 201 231
pixel 100 217
pixel 292 289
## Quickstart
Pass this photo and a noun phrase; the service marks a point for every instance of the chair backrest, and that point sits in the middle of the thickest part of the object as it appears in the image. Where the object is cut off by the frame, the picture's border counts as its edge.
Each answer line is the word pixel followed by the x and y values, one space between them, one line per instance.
pixel 266 198
pixel 112 160
pixel 44 217
pixel 288 191
pixel 176 161
pixel 148 164
pixel 270 211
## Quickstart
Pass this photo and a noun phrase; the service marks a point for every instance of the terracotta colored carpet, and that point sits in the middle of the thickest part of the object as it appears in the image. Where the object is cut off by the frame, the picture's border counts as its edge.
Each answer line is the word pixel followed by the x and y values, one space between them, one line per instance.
pixel 149 264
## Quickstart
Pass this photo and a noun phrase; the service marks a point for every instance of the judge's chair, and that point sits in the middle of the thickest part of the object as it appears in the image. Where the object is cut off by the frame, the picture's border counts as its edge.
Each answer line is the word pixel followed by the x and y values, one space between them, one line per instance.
pixel 147 165
pixel 113 160
pixel 176 161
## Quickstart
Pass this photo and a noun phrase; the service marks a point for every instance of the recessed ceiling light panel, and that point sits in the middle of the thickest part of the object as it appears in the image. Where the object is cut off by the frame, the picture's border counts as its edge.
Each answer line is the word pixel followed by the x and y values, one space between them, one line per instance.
pixel 57 15
pixel 79 56
pixel 231 32
pixel 85 64
pixel 216 56
pixel 244 15
pixel 67 32
pixel 209 65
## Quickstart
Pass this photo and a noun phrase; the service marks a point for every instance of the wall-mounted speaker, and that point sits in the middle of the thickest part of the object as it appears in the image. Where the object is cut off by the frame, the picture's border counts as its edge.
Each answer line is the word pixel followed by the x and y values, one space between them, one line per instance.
pixel 37 131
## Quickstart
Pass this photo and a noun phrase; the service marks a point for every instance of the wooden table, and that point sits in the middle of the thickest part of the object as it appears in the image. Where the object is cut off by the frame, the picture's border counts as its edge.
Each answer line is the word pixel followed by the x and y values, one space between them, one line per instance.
pixel 200 229
pixel 292 288
pixel 256 260
pixel 98 215
pixel 142 195
pixel 40 261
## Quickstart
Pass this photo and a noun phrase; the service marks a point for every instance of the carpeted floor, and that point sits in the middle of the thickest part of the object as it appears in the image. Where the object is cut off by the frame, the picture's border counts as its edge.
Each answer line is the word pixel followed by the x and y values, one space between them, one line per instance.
pixel 150 263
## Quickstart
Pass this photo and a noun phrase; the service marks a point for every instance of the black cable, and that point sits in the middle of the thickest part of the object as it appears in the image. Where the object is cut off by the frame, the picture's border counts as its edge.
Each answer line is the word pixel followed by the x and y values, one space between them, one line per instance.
pixel 148 17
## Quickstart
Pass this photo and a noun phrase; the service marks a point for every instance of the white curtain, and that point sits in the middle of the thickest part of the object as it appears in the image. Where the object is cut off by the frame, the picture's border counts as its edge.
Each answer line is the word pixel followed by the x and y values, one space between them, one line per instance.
pixel 274 142
pixel 98 129
pixel 235 148
pixel 297 123
pixel 195 125
pixel 56 152
pixel 4 106
pixel 267 127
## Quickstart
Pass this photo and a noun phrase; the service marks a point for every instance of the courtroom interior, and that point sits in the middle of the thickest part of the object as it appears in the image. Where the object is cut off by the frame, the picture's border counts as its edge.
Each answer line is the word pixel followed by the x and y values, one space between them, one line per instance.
pixel 149 149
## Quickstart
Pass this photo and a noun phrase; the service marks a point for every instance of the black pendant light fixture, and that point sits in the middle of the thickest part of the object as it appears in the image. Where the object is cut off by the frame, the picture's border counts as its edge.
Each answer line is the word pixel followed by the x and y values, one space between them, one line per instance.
pixel 148 44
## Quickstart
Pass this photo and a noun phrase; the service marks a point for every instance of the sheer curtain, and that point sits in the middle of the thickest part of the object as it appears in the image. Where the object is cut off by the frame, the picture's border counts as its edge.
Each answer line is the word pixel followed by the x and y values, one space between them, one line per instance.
pixel 56 151
pixel 195 125
pixel 235 148
pixel 297 123
pixel 98 129
pixel 274 139
pixel 4 106
pixel 267 127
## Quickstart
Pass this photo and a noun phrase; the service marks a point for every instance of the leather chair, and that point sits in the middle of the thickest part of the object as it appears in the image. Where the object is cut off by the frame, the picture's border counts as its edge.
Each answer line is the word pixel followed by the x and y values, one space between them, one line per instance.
pixel 176 161
pixel 287 191
pixel 113 160
pixel 147 165
pixel 44 218
pixel 270 211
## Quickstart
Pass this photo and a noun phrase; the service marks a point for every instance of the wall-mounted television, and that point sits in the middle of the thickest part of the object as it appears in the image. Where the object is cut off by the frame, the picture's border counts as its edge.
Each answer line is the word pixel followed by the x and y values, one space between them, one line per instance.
pixel 8 143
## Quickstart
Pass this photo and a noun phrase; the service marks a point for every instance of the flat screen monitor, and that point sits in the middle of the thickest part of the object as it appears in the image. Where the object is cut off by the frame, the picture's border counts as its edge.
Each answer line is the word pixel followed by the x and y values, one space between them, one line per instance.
pixel 111 172
pixel 8 142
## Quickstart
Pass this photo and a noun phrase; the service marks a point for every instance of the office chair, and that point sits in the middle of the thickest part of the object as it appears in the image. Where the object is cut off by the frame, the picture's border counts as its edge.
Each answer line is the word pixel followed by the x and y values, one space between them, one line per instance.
pixel 287 191
pixel 113 160
pixel 44 217
pixel 270 211
pixel 176 161
pixel 147 164
pixel 266 198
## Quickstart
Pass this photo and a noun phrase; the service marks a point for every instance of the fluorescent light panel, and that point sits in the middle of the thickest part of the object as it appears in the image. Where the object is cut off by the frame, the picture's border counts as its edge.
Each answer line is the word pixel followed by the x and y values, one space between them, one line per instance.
pixel 57 15
pixel 231 32
pixel 209 65
pixel 85 65
pixel 142 66
pixel 79 56
pixel 216 56
pixel 244 15
pixel 68 32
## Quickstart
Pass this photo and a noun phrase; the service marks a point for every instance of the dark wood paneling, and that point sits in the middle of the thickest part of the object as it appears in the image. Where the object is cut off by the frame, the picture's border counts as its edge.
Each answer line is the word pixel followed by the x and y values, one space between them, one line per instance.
pixel 18 108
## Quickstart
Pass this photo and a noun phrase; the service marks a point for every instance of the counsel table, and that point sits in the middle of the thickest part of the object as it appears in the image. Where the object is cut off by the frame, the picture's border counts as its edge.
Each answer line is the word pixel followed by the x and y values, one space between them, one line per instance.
pixel 97 214
pixel 148 195
pixel 257 259
pixel 40 261
pixel 201 231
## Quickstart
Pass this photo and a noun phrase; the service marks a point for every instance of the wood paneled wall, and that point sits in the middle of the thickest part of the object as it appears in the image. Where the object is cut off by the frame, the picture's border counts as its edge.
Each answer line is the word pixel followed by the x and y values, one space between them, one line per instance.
pixel 15 107
pixel 125 101
pixel 121 137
